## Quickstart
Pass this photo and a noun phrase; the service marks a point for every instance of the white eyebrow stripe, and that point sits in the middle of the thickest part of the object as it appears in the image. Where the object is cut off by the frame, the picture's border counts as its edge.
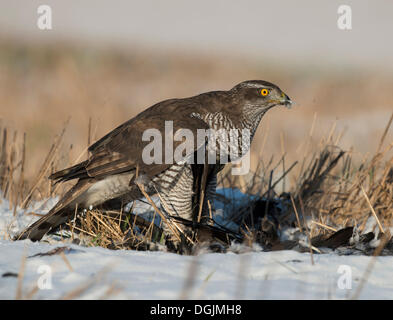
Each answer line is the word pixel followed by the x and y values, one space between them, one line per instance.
pixel 255 85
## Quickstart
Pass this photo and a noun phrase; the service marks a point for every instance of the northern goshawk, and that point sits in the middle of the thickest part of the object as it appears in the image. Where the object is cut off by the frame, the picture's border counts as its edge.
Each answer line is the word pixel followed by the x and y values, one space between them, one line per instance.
pixel 115 163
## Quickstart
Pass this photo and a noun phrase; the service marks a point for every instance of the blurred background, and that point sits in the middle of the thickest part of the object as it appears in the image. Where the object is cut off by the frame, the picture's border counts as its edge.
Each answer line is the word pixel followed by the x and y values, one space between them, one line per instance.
pixel 105 61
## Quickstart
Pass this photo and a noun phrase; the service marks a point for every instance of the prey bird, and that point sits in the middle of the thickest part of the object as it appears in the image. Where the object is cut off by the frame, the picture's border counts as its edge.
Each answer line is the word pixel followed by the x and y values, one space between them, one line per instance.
pixel 115 168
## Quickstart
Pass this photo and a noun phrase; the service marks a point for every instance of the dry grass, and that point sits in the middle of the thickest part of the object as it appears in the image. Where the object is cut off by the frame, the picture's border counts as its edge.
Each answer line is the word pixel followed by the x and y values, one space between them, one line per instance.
pixel 329 188
pixel 340 195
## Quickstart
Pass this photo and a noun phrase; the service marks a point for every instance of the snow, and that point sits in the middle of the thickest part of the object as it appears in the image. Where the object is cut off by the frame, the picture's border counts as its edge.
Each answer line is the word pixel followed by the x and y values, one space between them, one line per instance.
pixel 162 275
pixel 127 274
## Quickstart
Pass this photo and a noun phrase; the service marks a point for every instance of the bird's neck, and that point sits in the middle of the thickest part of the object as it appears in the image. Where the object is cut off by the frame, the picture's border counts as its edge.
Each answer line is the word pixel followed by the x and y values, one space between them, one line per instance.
pixel 251 117
pixel 248 119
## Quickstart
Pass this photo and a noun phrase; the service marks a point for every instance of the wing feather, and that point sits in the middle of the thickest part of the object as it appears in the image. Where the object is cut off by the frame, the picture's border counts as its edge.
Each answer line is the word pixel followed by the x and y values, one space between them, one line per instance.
pixel 121 149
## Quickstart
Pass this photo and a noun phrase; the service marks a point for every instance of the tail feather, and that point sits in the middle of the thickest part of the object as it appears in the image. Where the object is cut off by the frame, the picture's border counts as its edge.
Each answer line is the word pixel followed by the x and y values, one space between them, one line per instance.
pixel 50 221
pixel 58 215
pixel 76 171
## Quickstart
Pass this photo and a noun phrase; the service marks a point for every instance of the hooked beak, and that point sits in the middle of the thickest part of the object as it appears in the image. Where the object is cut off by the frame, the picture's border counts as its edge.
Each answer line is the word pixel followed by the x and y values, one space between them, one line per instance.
pixel 286 101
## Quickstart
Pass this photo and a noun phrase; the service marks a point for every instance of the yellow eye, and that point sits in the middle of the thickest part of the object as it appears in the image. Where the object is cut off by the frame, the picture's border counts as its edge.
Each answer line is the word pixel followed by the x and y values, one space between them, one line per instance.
pixel 264 92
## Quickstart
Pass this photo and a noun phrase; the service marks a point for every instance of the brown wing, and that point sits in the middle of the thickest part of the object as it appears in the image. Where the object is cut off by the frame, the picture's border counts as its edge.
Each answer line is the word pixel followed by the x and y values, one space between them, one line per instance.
pixel 121 149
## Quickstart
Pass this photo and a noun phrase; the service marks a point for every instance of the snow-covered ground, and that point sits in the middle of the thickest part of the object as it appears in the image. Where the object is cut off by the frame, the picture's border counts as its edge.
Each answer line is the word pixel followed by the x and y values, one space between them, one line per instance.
pixel 93 272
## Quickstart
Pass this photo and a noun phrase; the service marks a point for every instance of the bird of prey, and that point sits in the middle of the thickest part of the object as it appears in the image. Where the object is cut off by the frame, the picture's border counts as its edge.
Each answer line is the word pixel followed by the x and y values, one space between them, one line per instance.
pixel 113 171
